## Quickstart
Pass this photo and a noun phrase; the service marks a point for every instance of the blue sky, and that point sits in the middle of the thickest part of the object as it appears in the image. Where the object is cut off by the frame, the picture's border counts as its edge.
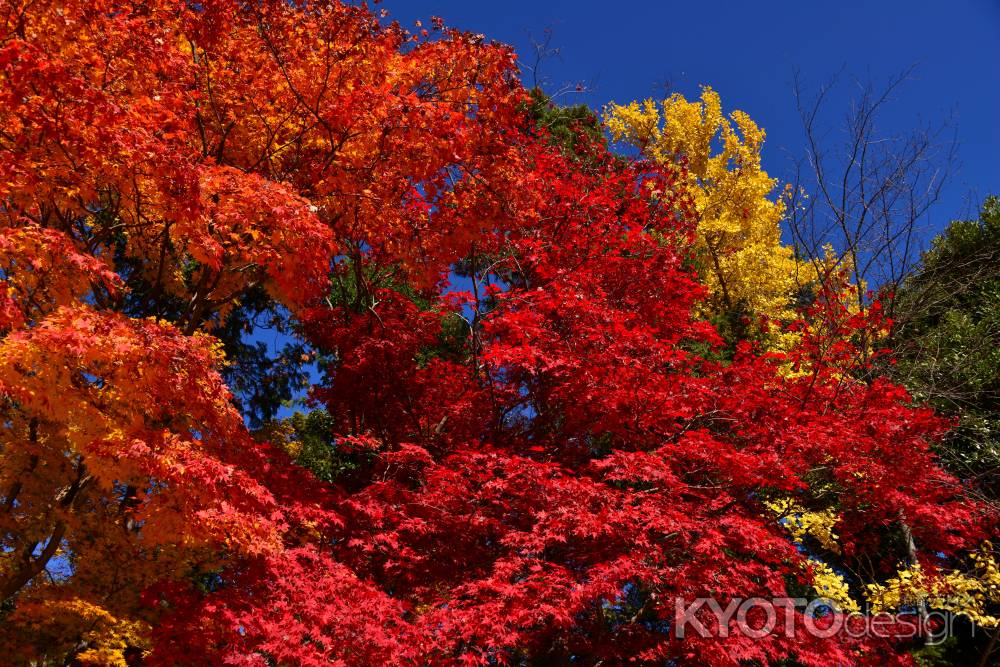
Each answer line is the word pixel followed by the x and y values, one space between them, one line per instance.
pixel 749 51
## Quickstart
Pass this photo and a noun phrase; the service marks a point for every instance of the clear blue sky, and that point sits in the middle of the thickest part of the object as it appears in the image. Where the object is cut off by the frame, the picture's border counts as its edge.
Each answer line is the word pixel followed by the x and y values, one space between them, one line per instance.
pixel 748 52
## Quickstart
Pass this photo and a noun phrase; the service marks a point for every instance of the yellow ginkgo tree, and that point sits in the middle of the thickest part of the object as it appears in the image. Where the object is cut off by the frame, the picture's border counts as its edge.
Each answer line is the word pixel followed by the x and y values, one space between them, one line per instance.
pixel 746 268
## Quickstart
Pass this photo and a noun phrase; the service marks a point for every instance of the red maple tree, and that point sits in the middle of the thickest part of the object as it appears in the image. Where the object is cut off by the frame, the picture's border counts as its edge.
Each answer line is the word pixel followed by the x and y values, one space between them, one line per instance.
pixel 541 448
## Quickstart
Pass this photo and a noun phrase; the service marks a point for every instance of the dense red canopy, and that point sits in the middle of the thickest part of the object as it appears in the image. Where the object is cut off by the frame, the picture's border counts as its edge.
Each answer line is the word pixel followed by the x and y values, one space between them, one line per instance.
pixel 545 450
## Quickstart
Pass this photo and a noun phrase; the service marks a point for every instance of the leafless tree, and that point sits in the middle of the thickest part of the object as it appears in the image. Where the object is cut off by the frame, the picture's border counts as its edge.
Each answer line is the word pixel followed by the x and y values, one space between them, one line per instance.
pixel 870 191
pixel 544 51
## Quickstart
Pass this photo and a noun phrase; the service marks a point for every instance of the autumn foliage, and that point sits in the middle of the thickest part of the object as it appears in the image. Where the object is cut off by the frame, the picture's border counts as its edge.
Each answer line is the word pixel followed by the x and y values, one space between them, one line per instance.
pixel 534 449
pixel 745 266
